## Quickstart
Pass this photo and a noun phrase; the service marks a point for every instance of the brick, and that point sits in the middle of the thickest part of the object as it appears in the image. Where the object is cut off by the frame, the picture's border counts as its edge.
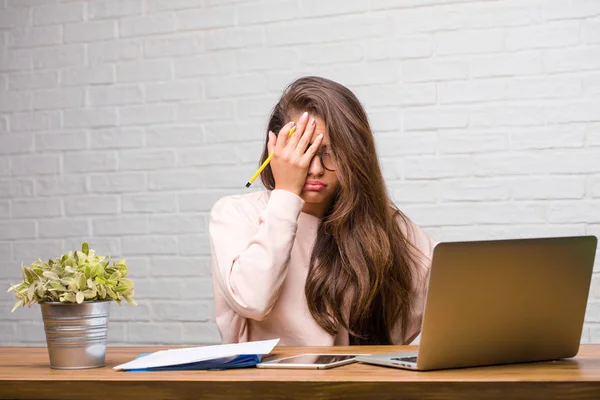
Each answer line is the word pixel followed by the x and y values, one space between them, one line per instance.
pixel 431 167
pixel 235 38
pixel 469 42
pixel 90 31
pixel 474 190
pixel 472 91
pixel 64 227
pixel 227 178
pixel 418 46
pixel 219 63
pixel 147 25
pixel 146 160
pixel 90 118
pixel 59 99
pixel 176 266
pixel 433 118
pixel 173 91
pixel 117 138
pixel 419 192
pixel 111 52
pixel 16 143
pixel 200 201
pixel 591 84
pixel 518 115
pixel 72 55
pixel 556 9
pixel 328 30
pixel 91 205
pixel 542 188
pixel 64 185
pixel 36 208
pixel 109 247
pixel 31 332
pixel 266 59
pixel 50 141
pixel 360 74
pixel 35 36
pixel 385 120
pixel 149 245
pixel 148 202
pixel 5 166
pixel 146 114
pixel 206 111
pixel 118 183
pixel 253 107
pixel 433 70
pixel 5 209
pixel 591 31
pixel 558 34
pixel 567 60
pixel 572 212
pixel 177 180
pixel 542 162
pixel 156 70
pixel 153 333
pixel 35 165
pixel 33 80
pixel 114 95
pixel 178 224
pixel 522 63
pixel 14 188
pixel 141 312
pixel 173 46
pixel 114 9
pixel 98 75
pixel 15 102
pixel 183 311
pixel 494 232
pixel 14 17
pixel 80 162
pixel 247 84
pixel 581 111
pixel 175 136
pixel 316 8
pixel 17 230
pixel 412 94
pixel 593 186
pixel 120 225
pixel 200 333
pixel 461 141
pixel 16 60
pixel 117 333
pixel 399 144
pixel 157 6
pixel 542 88
pixel 57 14
pixel 206 18
pixel 549 137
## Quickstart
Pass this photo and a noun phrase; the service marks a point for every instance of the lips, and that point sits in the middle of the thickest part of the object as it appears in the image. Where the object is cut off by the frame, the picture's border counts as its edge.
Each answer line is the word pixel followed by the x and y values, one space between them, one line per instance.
pixel 314 185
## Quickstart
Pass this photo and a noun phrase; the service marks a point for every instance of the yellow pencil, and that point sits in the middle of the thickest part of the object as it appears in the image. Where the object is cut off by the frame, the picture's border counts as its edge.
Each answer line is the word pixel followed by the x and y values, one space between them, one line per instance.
pixel 264 165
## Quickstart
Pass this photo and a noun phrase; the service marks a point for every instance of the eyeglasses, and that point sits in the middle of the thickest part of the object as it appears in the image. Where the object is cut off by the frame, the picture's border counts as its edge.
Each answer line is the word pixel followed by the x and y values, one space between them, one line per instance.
pixel 327 160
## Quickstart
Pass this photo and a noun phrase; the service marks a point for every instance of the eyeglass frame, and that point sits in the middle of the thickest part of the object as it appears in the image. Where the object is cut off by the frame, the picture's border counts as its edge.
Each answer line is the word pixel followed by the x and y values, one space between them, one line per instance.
pixel 320 154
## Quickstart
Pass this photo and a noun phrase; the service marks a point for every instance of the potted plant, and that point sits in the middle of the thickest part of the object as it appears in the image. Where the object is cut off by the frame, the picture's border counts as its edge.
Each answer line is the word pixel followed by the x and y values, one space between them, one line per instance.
pixel 75 291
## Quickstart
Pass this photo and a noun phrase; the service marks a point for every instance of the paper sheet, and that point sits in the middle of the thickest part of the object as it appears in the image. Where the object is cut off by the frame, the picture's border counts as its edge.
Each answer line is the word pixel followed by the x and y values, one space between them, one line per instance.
pixel 194 354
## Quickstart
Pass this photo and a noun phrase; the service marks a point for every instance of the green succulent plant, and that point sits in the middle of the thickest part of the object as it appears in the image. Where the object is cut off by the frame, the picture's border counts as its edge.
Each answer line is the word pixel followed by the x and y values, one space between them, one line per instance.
pixel 74 277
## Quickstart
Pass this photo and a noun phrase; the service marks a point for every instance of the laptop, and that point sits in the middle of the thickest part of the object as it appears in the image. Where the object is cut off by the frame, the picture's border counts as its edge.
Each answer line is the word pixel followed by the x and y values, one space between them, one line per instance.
pixel 501 302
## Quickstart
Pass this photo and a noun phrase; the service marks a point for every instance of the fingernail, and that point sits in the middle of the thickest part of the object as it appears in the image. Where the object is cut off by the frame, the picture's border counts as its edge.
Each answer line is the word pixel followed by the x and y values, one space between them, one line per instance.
pixel 320 136
pixel 305 114
pixel 312 122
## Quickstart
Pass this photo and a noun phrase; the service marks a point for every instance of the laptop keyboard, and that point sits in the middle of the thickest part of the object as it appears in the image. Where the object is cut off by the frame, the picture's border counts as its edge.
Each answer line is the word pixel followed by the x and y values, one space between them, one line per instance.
pixel 409 359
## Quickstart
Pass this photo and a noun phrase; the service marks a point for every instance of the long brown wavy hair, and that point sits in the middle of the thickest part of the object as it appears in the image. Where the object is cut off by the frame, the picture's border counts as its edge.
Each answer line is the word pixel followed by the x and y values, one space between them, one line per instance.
pixel 361 259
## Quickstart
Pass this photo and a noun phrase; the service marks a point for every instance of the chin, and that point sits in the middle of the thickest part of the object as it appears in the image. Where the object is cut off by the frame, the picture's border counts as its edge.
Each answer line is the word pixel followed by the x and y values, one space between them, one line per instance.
pixel 311 196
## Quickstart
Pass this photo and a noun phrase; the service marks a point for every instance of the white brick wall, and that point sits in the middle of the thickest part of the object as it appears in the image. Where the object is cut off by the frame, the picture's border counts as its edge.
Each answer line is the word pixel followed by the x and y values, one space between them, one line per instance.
pixel 123 121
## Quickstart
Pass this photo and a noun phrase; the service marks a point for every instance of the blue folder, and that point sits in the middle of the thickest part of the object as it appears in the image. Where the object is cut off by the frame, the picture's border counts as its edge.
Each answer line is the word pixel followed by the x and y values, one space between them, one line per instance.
pixel 239 361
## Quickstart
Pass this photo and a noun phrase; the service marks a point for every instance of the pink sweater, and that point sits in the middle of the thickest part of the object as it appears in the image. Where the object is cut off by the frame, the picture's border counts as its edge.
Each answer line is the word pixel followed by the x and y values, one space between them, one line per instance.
pixel 261 245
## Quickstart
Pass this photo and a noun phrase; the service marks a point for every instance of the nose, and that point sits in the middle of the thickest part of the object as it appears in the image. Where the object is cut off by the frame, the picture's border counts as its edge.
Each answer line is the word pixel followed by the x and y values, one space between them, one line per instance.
pixel 315 168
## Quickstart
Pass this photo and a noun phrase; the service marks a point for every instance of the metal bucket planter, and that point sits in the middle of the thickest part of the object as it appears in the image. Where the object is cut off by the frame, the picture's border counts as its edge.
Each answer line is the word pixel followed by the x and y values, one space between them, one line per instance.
pixel 76 334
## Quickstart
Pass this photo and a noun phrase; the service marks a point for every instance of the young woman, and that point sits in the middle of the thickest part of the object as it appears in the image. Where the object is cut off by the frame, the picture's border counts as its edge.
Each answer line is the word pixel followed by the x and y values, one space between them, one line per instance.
pixel 322 257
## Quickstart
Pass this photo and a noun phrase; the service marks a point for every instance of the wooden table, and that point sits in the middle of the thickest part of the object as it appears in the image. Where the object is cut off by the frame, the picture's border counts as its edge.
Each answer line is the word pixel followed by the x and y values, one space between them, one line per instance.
pixel 25 374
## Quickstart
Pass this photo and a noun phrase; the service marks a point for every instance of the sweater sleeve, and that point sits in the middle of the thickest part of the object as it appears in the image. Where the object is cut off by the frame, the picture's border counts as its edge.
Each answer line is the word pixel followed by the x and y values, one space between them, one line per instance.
pixel 250 254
